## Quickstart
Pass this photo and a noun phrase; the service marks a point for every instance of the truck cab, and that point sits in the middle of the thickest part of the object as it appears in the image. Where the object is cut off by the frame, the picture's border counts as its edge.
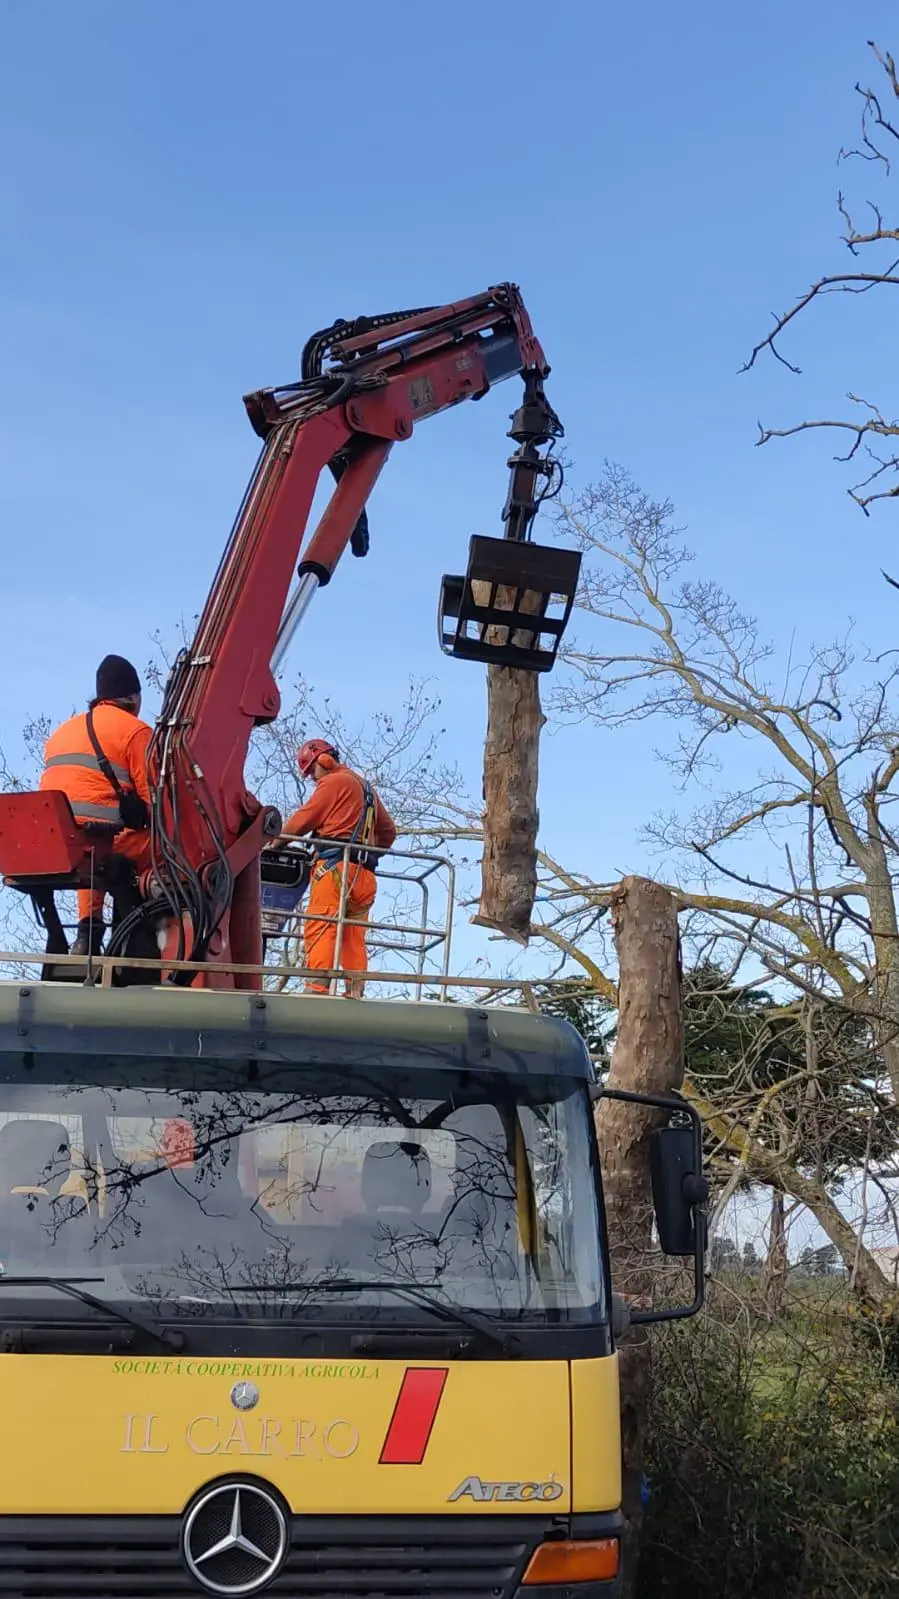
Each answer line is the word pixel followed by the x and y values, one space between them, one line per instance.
pixel 302 1295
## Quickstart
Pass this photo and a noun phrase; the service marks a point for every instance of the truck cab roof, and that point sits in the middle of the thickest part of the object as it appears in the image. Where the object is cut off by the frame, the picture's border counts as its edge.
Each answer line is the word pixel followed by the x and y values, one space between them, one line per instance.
pixel 287 1028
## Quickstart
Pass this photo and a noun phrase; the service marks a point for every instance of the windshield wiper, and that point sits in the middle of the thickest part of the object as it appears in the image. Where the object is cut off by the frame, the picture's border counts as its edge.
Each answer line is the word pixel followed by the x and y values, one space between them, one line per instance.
pixel 163 1336
pixel 455 1315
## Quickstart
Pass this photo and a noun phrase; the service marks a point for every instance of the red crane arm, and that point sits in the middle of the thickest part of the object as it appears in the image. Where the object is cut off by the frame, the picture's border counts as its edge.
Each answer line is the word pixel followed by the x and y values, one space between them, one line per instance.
pixel 384 376
pixel 364 386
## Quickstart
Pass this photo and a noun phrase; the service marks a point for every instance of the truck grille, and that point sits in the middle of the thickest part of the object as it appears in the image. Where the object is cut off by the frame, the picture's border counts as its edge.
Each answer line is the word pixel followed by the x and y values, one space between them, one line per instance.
pixel 362 1557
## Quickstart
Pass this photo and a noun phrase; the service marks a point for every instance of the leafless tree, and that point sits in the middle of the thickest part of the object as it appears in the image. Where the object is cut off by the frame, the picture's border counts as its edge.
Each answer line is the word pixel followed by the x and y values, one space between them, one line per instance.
pixel 789 876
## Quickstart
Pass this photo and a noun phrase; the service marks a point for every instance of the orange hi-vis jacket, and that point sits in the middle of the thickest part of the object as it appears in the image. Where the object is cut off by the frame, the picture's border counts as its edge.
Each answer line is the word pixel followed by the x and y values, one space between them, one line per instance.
pixel 71 765
pixel 334 807
pixel 333 811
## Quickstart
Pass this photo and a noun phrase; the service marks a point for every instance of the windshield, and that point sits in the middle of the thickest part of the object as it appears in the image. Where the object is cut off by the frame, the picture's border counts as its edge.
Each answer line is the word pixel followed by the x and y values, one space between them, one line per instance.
pixel 239 1189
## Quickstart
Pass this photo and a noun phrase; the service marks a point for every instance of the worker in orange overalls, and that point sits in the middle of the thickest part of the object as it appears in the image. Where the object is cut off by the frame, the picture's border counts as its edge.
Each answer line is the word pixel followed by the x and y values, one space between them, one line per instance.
pixel 99 760
pixel 343 808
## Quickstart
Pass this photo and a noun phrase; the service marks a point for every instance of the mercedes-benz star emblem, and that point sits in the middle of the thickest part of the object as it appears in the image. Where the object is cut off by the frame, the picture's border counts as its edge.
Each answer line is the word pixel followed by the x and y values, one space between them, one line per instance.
pixel 235 1538
pixel 244 1395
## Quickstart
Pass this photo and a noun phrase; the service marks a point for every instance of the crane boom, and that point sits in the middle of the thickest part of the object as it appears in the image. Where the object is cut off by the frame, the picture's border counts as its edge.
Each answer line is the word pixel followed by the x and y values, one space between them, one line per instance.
pixel 365 385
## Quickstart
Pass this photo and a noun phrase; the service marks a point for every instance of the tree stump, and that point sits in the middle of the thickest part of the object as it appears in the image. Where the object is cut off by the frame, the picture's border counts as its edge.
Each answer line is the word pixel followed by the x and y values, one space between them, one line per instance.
pixel 648 1057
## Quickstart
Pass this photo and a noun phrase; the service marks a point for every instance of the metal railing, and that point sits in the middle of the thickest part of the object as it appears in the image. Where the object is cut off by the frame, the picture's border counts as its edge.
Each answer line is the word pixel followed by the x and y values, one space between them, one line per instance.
pixel 417 927
pixel 100 971
pixel 424 878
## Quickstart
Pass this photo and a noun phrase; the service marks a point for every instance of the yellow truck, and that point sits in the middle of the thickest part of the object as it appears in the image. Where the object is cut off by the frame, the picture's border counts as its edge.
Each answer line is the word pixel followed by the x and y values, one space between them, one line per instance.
pixel 309 1297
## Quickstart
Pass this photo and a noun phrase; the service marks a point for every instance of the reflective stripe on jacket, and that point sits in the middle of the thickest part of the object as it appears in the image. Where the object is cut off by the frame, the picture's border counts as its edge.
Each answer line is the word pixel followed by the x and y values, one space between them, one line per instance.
pixel 71 765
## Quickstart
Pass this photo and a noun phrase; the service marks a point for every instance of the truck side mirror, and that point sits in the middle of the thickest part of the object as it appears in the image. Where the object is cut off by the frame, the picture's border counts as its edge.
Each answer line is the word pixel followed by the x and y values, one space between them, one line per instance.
pixel 677 1188
pixel 679 1192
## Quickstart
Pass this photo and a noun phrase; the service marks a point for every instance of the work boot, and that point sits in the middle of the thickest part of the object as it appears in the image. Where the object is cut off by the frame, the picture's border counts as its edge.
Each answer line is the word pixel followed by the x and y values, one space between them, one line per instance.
pixel 89 937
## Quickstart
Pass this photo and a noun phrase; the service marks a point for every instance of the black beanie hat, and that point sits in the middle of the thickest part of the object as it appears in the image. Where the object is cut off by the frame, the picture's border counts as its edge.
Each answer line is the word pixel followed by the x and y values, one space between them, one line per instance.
pixel 116 679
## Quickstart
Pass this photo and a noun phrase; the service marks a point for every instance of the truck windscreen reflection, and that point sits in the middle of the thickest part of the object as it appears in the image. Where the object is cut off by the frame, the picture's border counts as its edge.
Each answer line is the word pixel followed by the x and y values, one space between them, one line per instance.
pixel 240 1188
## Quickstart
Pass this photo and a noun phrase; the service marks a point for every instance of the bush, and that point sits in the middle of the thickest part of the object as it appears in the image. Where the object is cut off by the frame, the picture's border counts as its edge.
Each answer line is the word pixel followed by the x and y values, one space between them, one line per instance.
pixel 773 1457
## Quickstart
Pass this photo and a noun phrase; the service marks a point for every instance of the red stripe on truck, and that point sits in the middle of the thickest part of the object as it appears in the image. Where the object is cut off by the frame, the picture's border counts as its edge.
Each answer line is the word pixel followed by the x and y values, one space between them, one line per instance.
pixel 414 1414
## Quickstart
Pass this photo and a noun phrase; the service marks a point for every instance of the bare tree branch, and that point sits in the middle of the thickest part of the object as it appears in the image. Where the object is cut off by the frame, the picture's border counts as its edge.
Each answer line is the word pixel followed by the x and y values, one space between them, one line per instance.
pixel 877 131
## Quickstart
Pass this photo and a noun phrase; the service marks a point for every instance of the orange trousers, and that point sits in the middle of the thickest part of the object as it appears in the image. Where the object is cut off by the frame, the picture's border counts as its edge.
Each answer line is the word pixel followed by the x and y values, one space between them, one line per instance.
pixel 321 937
pixel 135 846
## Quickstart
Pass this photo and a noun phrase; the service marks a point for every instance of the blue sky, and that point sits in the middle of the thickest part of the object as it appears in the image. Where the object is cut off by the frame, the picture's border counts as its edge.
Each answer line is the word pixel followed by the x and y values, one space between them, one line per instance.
pixel 189 190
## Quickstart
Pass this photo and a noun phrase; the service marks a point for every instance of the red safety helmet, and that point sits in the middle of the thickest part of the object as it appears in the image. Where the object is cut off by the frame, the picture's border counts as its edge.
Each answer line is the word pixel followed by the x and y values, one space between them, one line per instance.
pixel 312 751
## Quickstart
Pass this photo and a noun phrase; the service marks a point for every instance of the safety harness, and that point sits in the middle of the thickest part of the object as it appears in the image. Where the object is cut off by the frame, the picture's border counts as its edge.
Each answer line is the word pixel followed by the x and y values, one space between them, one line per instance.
pixel 329 853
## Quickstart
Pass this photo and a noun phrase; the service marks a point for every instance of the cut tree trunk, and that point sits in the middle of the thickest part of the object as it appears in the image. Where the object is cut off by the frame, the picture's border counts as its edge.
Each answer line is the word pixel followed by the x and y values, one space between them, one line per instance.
pixel 511 764
pixel 648 1057
pixel 511 817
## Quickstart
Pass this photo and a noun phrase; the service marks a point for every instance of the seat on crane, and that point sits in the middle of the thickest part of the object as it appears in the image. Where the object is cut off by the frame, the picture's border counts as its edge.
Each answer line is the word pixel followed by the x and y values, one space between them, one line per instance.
pixel 512 606
pixel 44 851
